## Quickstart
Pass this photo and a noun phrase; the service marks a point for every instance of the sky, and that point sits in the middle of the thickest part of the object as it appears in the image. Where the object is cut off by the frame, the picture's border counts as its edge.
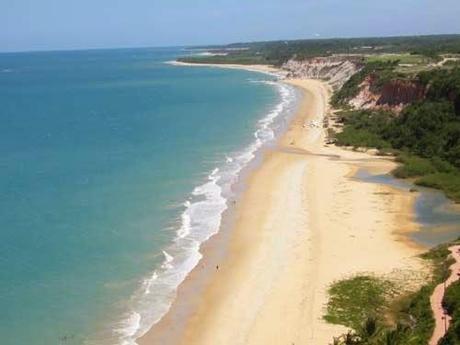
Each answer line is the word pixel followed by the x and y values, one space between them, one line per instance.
pixel 80 24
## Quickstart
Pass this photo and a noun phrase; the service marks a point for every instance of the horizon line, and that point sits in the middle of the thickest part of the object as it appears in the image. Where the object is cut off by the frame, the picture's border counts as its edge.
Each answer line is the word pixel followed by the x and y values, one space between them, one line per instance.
pixel 57 50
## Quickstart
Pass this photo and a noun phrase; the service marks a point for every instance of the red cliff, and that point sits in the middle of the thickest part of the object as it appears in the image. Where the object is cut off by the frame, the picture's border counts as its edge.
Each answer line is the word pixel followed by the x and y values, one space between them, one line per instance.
pixel 393 95
pixel 400 92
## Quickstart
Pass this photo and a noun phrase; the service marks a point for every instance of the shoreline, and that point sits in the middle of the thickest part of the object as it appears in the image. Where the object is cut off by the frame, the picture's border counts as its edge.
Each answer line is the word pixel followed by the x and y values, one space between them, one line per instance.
pixel 267 69
pixel 299 187
pixel 266 131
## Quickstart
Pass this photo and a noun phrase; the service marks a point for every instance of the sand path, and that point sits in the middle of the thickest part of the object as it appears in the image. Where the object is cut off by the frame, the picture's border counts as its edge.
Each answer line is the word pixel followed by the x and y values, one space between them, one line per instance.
pixel 442 319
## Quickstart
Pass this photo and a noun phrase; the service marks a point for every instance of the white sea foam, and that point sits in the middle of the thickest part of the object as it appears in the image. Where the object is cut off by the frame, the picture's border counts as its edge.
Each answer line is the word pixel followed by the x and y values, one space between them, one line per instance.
pixel 128 328
pixel 185 227
pixel 168 259
pixel 148 282
pixel 200 219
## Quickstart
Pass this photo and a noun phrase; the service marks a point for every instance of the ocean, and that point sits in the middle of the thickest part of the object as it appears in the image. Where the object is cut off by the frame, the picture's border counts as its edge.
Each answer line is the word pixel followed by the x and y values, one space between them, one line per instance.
pixel 114 167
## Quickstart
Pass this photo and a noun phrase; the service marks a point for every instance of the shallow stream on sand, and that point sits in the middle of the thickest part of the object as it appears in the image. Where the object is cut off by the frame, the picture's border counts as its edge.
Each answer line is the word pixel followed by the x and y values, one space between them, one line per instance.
pixel 439 217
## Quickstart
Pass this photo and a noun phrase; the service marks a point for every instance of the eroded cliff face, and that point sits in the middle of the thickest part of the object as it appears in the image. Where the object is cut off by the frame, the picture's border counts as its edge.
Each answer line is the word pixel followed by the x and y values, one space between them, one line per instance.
pixel 393 95
pixel 335 69
pixel 400 92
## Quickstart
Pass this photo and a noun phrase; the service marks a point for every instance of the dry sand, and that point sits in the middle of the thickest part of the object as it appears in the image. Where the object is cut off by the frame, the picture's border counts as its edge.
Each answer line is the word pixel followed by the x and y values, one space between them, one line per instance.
pixel 302 223
pixel 254 68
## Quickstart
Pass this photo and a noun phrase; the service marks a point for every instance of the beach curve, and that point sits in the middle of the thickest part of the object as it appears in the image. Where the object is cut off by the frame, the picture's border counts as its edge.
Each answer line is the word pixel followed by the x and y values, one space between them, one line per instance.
pixel 300 225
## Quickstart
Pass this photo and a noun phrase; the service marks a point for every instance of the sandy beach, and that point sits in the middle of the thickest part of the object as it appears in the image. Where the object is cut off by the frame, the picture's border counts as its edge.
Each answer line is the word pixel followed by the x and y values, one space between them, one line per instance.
pixel 301 223
pixel 254 68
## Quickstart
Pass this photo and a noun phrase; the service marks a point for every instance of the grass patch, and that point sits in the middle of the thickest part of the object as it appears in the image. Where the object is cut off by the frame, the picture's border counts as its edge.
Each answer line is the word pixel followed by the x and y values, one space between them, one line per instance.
pixel 407 64
pixel 413 59
pixel 353 300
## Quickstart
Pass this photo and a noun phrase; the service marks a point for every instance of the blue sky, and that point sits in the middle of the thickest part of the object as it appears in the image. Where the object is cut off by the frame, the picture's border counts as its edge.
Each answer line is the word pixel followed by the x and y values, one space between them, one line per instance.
pixel 65 24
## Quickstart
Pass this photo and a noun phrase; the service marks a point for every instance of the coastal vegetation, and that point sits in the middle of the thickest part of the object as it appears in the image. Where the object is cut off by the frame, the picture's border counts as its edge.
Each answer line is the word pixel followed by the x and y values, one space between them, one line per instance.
pixel 278 52
pixel 391 317
pixel 451 303
pixel 403 58
pixel 425 135
pixel 237 59
pixel 352 301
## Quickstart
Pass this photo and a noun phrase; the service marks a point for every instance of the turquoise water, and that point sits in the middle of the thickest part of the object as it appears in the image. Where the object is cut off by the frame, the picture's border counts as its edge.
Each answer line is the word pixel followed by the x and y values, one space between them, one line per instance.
pixel 114 168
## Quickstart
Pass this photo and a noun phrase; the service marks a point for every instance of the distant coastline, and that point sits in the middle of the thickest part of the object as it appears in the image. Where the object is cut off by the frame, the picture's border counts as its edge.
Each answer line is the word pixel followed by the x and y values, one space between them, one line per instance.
pixel 267 69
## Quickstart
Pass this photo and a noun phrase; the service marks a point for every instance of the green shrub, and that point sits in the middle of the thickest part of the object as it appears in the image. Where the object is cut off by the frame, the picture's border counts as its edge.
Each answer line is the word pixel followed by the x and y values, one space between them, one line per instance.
pixel 447 182
pixel 360 138
pixel 413 166
pixel 442 165
pixel 452 304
